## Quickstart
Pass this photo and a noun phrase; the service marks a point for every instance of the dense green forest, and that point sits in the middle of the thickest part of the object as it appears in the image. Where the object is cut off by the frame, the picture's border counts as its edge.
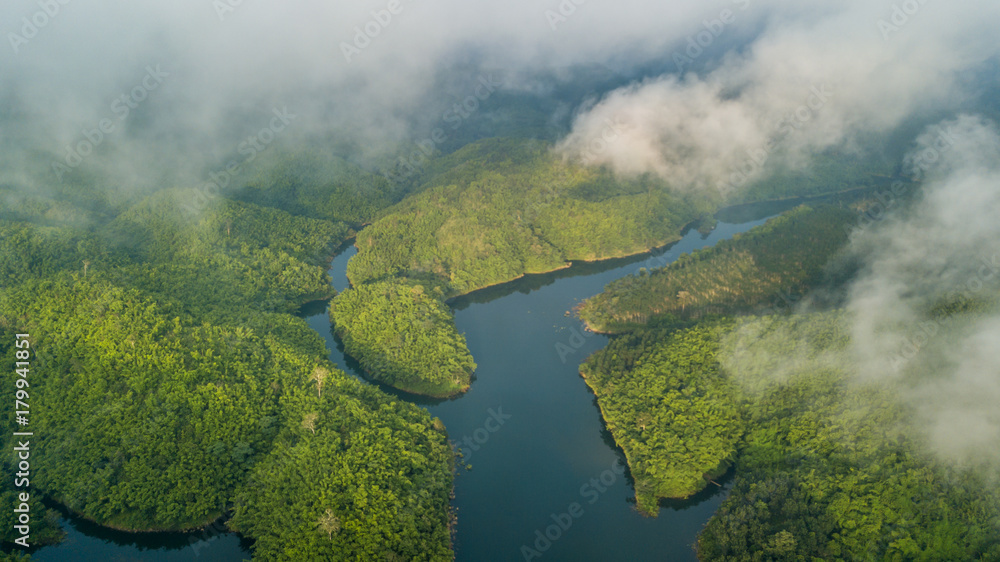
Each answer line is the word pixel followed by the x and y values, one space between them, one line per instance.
pixel 770 266
pixel 826 467
pixel 500 208
pixel 308 183
pixel 230 257
pixel 172 383
pixel 489 213
pixel 355 475
pixel 669 409
pixel 403 337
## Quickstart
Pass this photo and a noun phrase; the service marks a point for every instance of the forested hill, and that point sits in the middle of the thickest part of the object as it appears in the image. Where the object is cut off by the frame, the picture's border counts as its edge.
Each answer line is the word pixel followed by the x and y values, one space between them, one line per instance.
pixel 501 208
pixel 404 337
pixel 498 209
pixel 230 256
pixel 313 184
pixel 489 213
pixel 769 266
pixel 826 464
pixel 824 469
pixel 171 383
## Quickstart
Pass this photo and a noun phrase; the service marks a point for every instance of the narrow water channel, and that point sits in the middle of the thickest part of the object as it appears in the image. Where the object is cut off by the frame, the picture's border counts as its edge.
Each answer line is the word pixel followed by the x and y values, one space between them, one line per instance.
pixel 545 449
pixel 531 430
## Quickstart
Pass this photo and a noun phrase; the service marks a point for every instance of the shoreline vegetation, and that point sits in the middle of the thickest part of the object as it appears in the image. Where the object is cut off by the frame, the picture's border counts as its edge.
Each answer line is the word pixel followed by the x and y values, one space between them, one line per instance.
pixel 824 468
pixel 680 432
pixel 489 214
pixel 483 220
pixel 403 337
pixel 218 520
pixel 174 362
pixel 755 270
pixel 172 376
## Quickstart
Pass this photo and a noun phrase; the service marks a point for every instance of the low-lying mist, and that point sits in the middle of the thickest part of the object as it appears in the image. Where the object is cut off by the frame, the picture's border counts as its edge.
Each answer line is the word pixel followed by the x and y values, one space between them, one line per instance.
pixel 817 78
pixel 921 318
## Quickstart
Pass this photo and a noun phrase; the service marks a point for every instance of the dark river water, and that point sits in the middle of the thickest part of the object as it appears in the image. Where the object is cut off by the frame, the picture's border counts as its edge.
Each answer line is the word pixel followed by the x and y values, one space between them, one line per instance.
pixel 529 427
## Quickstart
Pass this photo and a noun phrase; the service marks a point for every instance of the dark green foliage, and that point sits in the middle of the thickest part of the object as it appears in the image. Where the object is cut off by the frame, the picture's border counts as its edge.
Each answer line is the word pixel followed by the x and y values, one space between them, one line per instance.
pixel 769 266
pixel 130 401
pixel 228 257
pixel 362 479
pixel 171 382
pixel 312 185
pixel 403 337
pixel 672 412
pixel 30 251
pixel 826 470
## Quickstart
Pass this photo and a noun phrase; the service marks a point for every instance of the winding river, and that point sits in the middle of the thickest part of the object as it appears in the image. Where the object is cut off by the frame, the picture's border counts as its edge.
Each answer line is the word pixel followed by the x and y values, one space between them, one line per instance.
pixel 542 462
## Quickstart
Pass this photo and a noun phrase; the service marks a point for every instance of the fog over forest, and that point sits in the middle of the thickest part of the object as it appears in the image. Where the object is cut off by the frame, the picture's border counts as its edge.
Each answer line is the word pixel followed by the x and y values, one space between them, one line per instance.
pixel 606 127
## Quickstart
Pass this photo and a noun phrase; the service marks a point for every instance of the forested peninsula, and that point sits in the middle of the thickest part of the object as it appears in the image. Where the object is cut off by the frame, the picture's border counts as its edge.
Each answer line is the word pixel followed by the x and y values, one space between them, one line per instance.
pixel 498 209
pixel 823 466
pixel 772 265
pixel 404 337
pixel 489 213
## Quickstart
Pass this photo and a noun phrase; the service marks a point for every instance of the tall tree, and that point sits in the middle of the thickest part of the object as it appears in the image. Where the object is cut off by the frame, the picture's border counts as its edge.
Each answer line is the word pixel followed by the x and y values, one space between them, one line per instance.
pixel 319 376
pixel 329 523
pixel 309 422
